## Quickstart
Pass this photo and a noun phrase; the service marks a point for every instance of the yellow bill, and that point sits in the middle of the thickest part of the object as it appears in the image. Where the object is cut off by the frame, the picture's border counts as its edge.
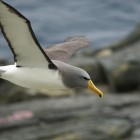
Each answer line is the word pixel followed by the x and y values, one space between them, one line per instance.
pixel 93 88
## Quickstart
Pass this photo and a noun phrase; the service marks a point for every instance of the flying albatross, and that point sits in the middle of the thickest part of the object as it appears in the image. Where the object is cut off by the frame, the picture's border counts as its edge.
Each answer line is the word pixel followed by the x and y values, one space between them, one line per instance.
pixel 37 68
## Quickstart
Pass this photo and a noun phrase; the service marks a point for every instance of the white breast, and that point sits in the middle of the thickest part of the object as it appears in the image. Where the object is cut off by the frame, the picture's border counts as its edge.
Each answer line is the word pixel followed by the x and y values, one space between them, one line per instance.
pixel 35 78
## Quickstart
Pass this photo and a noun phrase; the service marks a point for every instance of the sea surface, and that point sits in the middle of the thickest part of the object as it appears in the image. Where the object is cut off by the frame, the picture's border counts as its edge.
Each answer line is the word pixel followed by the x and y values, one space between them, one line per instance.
pixel 102 21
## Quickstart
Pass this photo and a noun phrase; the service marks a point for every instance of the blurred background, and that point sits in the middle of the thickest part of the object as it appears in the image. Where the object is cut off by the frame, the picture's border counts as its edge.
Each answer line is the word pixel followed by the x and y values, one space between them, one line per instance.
pixel 113 61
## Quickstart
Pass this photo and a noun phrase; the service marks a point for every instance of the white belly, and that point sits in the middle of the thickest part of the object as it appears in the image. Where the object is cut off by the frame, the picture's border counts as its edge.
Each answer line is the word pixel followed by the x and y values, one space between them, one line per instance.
pixel 35 78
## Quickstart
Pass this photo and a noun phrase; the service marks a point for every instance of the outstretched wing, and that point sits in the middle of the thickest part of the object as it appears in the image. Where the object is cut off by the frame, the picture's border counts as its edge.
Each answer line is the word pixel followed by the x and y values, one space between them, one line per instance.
pixel 64 51
pixel 21 39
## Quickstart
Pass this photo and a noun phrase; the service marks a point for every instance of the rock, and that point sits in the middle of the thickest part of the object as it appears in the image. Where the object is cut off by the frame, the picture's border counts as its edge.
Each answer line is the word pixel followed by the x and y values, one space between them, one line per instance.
pixel 125 77
pixel 122 69
pixel 72 118
pixel 136 134
pixel 104 53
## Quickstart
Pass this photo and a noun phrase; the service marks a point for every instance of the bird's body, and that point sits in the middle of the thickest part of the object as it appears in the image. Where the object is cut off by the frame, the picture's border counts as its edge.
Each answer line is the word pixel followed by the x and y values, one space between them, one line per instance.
pixel 34 78
pixel 37 68
pixel 40 78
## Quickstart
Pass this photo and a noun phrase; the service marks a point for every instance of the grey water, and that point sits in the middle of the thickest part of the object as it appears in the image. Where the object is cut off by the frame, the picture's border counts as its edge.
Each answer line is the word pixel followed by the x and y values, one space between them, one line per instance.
pixel 102 21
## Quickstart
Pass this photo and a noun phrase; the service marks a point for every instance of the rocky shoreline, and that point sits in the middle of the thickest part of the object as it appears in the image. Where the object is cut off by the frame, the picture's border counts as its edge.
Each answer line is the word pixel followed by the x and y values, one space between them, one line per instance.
pixel 87 117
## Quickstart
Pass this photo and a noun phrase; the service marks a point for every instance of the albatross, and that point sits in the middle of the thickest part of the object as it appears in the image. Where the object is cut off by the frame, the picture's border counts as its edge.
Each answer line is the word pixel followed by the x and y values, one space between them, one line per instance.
pixel 34 67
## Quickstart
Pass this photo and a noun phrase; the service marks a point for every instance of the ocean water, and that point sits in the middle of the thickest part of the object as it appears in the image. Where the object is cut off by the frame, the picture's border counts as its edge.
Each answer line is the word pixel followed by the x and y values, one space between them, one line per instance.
pixel 102 21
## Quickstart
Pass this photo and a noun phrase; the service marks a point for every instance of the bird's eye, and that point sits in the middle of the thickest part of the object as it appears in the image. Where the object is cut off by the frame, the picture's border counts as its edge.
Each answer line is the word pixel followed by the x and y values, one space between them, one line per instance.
pixel 85 78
